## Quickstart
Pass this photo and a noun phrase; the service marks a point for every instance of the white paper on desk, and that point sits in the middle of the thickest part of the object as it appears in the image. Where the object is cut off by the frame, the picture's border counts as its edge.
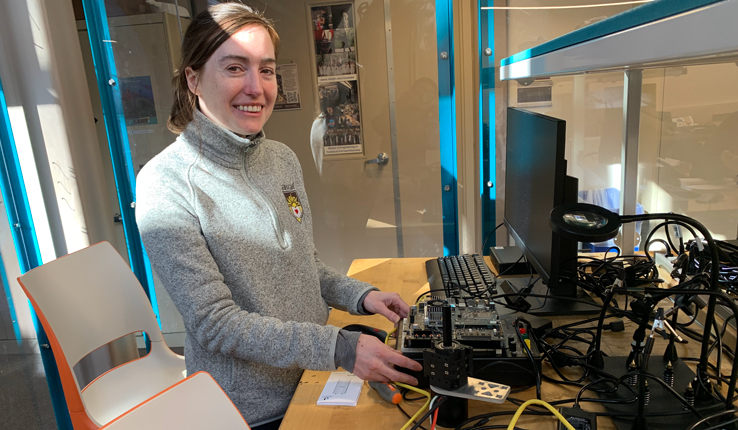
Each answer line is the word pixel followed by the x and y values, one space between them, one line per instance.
pixel 341 389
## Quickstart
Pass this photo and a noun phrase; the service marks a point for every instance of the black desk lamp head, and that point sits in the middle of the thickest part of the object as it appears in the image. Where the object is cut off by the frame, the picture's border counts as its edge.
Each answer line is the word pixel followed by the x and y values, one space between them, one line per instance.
pixel 584 222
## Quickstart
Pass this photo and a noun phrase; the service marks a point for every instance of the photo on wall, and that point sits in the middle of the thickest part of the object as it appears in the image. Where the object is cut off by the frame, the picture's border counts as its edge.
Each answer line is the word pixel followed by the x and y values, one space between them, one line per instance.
pixel 339 104
pixel 137 96
pixel 288 87
pixel 335 42
pixel 336 71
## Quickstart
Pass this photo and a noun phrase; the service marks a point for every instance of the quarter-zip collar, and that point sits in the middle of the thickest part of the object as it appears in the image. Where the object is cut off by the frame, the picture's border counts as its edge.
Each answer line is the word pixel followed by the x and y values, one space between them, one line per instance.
pixel 216 143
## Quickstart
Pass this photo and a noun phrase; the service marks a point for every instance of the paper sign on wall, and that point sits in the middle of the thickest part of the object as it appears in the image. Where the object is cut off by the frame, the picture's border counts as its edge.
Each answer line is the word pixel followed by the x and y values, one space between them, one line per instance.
pixel 288 87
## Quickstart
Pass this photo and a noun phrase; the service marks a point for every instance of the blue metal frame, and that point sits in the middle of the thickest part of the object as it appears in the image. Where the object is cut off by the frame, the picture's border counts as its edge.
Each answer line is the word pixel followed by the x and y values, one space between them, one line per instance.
pixel 120 154
pixel 22 229
pixel 488 125
pixel 447 126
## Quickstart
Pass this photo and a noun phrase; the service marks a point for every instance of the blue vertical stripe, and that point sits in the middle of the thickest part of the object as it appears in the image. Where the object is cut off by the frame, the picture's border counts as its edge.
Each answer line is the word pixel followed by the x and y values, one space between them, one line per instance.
pixel 18 211
pixel 447 126
pixel 120 154
pixel 488 160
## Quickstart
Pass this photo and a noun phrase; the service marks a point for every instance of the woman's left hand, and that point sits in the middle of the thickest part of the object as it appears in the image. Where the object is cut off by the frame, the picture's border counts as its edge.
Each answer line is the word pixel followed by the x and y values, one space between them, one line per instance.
pixel 389 305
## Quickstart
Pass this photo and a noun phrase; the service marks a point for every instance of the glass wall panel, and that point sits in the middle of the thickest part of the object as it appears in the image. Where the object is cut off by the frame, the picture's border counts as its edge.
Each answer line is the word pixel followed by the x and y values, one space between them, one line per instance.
pixel 689 150
pixel 145 39
pixel 364 209
pixel 591 105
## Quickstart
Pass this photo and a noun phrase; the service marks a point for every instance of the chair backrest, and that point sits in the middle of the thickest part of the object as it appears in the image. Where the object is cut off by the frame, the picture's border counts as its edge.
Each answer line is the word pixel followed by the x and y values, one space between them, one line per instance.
pixel 196 403
pixel 89 298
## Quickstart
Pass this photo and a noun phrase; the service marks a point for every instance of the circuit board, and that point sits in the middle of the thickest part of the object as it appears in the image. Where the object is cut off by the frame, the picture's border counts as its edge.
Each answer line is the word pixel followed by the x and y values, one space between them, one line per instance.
pixel 476 323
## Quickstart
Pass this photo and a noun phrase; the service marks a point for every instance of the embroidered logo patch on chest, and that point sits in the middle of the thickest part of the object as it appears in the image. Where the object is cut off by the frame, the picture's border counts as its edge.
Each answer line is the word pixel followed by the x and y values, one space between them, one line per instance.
pixel 293 201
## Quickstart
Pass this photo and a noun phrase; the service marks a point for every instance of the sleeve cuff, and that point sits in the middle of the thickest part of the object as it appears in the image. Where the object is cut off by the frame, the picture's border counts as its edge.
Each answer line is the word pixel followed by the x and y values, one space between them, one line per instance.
pixel 345 355
pixel 360 304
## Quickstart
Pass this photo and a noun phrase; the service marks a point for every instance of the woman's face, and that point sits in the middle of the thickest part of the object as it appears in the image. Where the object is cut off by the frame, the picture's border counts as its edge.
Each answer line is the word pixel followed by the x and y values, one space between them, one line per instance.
pixel 237 87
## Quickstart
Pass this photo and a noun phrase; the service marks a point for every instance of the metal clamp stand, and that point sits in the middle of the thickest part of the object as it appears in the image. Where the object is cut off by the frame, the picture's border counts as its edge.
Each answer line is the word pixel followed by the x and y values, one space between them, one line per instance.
pixel 638 357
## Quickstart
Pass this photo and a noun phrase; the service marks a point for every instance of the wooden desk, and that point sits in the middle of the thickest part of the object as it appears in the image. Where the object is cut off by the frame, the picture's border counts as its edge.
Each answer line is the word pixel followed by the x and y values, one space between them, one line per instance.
pixel 407 277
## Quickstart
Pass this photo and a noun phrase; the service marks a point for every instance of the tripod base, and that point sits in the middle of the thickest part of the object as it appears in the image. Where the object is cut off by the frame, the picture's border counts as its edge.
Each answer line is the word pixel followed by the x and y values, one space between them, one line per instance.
pixel 661 402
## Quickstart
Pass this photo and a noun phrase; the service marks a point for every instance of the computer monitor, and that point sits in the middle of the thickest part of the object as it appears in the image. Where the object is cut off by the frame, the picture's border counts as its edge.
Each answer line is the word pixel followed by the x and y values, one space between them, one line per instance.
pixel 535 183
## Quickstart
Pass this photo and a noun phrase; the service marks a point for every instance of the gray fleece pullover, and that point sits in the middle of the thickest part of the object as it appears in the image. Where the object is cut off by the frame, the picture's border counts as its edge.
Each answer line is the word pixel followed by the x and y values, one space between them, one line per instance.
pixel 228 229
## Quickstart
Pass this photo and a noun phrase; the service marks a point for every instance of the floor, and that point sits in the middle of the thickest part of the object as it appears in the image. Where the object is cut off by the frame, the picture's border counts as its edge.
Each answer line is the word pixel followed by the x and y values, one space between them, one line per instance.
pixel 25 402
pixel 24 395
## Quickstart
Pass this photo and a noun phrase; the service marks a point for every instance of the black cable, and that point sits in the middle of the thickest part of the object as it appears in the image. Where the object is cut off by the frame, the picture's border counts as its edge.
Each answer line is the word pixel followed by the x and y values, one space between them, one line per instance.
pixel 601 322
pixel 543 296
pixel 439 402
pixel 484 242
pixel 409 417
pixel 428 292
pixel 510 267
pixel 665 224
pixel 711 417
pixel 501 362
pixel 523 388
pixel 484 418
pixel 733 307
pixel 528 351
pixel 722 425
pixel 405 397
pixel 663 242
pixel 496 426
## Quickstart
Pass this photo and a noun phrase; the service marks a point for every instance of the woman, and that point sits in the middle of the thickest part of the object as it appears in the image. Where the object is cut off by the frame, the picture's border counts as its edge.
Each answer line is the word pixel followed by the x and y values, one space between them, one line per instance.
pixel 227 225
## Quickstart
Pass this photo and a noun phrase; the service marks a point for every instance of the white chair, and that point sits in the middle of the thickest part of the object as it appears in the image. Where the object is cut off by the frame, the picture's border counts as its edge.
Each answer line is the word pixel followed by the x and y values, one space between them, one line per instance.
pixel 196 403
pixel 85 300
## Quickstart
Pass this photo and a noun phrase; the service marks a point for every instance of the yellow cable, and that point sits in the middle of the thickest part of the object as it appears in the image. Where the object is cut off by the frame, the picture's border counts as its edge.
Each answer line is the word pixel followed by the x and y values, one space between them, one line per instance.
pixel 420 411
pixel 386 339
pixel 410 387
pixel 542 403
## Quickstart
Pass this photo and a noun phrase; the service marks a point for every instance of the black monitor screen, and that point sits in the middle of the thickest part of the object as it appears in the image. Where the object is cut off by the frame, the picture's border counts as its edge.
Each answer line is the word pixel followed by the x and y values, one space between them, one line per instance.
pixel 535 183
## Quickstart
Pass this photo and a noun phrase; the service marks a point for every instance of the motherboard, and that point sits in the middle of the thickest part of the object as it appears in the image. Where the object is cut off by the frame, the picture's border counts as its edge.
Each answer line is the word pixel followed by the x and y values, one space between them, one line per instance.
pixel 498 351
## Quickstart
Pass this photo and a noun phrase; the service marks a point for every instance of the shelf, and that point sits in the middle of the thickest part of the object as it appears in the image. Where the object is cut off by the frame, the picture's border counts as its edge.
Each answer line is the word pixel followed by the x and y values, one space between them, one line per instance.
pixel 658 34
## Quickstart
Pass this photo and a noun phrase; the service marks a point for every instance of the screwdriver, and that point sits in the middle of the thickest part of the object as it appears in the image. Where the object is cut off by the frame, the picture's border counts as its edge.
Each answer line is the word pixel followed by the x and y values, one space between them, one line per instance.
pixel 387 391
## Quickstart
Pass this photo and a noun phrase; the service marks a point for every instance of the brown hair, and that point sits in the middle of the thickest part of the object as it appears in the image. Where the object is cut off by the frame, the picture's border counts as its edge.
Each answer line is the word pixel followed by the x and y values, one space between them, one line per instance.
pixel 204 35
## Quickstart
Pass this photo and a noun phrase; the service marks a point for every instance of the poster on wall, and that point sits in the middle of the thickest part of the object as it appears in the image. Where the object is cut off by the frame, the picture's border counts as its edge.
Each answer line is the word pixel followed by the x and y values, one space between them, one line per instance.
pixel 288 88
pixel 138 100
pixel 334 47
pixel 339 104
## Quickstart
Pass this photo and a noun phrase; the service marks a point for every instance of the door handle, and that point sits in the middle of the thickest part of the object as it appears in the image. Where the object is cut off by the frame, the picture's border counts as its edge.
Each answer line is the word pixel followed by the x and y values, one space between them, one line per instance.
pixel 381 159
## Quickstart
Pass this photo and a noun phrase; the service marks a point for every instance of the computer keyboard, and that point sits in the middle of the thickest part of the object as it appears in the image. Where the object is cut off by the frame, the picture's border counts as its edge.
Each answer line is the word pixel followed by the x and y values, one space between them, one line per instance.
pixel 460 276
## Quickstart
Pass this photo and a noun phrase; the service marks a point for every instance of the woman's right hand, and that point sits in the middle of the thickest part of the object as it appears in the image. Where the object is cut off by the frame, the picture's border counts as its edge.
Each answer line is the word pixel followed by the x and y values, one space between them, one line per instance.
pixel 374 362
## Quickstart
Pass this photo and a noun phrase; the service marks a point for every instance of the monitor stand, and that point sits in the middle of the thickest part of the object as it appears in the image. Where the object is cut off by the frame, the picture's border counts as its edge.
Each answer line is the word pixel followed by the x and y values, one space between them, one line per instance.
pixel 551 305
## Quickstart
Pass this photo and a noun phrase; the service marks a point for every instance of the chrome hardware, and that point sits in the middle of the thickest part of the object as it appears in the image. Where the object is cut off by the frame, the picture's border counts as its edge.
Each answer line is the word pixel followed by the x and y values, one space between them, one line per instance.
pixel 381 159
